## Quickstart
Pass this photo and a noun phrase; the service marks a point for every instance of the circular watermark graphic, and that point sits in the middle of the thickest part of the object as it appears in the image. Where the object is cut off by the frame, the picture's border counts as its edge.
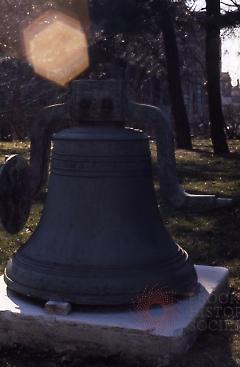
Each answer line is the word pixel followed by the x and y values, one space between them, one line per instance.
pixel 154 308
pixel 160 308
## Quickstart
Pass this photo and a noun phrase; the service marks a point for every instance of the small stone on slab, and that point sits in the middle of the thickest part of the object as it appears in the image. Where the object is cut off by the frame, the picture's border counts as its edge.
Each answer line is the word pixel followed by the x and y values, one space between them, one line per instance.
pixel 58 308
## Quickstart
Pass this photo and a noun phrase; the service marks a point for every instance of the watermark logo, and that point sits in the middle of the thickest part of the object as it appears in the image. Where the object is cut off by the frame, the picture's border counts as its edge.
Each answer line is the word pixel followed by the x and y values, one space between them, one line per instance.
pixel 153 308
pixel 160 308
pixel 222 314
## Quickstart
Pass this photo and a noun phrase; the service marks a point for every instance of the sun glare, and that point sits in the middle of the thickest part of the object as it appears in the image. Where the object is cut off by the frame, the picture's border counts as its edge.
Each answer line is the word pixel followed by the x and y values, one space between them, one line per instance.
pixel 56 46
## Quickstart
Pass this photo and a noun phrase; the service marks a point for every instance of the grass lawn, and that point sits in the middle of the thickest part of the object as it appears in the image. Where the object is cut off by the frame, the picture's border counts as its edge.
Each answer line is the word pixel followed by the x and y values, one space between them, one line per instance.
pixel 212 238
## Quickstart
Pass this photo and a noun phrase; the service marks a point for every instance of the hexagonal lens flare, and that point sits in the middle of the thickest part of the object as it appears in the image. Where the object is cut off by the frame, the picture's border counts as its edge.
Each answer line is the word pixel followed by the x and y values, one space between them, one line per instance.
pixel 56 46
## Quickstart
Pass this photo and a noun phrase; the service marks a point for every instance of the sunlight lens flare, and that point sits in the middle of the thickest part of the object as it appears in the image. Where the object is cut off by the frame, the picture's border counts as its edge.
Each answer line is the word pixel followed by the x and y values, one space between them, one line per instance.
pixel 56 46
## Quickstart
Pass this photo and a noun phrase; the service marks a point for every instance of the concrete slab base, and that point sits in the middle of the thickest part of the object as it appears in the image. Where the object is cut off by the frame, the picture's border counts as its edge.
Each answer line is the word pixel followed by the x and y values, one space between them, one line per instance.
pixel 150 332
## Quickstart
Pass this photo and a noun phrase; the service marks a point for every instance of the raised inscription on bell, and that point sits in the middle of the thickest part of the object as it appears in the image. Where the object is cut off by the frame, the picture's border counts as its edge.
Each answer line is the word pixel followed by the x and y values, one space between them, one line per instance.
pixel 97 166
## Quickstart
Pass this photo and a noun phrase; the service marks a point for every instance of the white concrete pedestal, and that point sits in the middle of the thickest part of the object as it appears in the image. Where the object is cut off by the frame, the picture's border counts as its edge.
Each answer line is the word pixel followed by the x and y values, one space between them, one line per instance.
pixel 144 333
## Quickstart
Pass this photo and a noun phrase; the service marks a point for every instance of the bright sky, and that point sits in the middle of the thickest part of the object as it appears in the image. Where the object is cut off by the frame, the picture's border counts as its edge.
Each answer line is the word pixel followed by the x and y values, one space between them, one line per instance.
pixel 231 57
pixel 230 50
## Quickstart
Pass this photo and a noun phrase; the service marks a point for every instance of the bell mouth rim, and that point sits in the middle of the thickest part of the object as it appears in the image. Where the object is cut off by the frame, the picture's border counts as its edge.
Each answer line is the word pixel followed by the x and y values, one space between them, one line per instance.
pixel 97 288
pixel 105 301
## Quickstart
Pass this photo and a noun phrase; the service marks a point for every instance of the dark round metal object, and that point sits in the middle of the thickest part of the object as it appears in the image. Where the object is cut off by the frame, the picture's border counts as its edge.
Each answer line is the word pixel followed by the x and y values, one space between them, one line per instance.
pixel 101 240
pixel 15 201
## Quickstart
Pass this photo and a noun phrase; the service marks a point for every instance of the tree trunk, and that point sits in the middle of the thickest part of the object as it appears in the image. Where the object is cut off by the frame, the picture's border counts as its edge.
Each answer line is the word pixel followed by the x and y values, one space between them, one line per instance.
pixel 213 65
pixel 183 136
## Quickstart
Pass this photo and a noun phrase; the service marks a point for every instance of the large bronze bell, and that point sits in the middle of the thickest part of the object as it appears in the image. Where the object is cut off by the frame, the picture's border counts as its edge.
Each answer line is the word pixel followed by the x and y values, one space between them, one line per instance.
pixel 101 240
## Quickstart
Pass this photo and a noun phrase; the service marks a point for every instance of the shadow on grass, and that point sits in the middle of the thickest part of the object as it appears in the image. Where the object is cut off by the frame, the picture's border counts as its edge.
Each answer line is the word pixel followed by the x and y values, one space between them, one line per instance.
pixel 212 349
pixel 210 237
pixel 201 172
pixel 28 357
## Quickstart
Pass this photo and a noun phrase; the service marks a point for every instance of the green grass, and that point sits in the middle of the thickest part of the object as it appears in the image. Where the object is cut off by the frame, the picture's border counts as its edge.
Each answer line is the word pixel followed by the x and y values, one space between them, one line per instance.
pixel 9 243
pixel 17 147
pixel 211 238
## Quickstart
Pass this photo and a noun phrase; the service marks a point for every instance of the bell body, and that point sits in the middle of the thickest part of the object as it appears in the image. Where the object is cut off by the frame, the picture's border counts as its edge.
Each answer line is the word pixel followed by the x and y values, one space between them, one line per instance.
pixel 101 240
